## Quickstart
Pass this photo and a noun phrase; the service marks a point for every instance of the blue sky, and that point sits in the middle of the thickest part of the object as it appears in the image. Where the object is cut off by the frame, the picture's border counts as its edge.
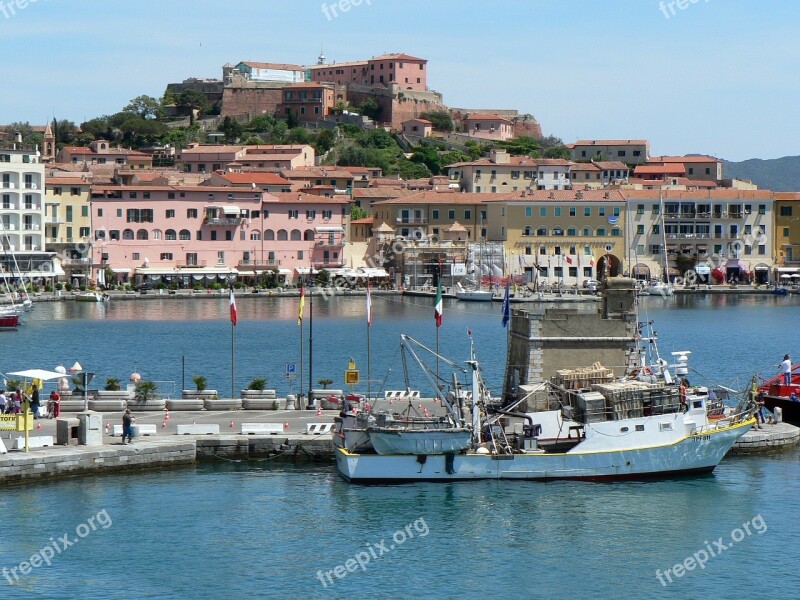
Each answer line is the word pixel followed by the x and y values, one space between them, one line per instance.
pixel 717 76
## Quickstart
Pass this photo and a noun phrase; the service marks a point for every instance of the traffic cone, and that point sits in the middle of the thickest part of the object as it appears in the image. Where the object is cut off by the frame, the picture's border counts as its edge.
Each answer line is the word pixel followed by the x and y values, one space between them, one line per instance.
pixel 38 426
pixel 286 425
pixel 231 424
pixel 319 412
pixel 166 418
pixel 163 424
pixel 108 428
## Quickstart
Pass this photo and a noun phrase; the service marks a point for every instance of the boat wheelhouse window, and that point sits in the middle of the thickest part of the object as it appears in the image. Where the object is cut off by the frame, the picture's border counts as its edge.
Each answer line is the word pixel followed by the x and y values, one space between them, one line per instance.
pixel 665 426
pixel 697 404
pixel 624 429
pixel 640 428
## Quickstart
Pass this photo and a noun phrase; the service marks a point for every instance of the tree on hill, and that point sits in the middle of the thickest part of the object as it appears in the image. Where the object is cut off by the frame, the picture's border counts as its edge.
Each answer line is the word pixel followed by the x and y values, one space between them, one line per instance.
pixel 260 124
pixel 146 107
pixel 64 131
pixel 325 140
pixel 376 138
pixel 232 130
pixel 370 108
pixel 190 100
pixel 557 152
pixel 428 156
pixel 412 170
pixel 298 135
pixel 521 146
pixel 441 119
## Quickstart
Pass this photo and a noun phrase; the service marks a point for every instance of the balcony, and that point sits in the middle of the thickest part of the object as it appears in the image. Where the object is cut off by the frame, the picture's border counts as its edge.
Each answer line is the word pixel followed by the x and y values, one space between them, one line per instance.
pixel 688 236
pixel 327 264
pixel 329 243
pixel 223 221
pixel 190 264
pixel 76 262
pixel 252 265
pixel 412 220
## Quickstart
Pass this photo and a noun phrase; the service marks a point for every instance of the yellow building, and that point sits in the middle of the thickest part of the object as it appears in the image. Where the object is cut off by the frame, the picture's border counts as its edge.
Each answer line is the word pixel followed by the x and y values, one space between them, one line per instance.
pixel 560 236
pixel 67 225
pixel 787 233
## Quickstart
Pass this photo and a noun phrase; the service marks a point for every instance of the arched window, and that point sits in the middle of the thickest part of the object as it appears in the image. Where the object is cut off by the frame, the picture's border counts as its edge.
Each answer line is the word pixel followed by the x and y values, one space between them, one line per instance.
pixel 541 231
pixel 127 234
pixel 616 231
pixel 587 232
pixel 528 230
pixel 269 235
pixel 282 235
pixel 156 234
pixel 255 236
pixel 141 234
pixel 601 231
pixel 185 235
pixel 296 235
pixel 558 231
pixel 170 235
pixel 309 235
pixel 572 231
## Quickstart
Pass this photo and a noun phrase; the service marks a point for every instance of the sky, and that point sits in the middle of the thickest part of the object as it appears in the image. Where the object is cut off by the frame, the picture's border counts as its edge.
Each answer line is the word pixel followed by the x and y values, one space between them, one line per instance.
pixel 716 77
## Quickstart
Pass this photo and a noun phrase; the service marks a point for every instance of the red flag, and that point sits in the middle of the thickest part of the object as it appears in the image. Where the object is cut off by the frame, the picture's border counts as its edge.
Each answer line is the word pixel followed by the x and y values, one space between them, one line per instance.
pixel 569 260
pixel 233 309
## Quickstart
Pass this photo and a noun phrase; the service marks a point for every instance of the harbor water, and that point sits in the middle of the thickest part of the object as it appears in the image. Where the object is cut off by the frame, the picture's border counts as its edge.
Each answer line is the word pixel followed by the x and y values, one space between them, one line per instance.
pixel 268 530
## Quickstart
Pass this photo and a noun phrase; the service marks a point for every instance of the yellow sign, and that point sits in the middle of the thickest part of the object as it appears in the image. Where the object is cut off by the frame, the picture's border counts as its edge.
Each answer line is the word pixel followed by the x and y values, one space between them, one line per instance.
pixel 351 365
pixel 351 377
pixel 15 422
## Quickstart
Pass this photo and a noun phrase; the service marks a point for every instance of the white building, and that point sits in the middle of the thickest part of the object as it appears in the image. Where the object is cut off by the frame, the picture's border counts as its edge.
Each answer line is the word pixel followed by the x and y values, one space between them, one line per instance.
pixel 22 215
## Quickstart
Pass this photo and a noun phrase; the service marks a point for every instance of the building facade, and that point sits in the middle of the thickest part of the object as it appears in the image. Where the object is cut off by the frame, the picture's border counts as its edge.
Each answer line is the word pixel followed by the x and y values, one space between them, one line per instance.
pixel 502 173
pixel 68 221
pixel 631 152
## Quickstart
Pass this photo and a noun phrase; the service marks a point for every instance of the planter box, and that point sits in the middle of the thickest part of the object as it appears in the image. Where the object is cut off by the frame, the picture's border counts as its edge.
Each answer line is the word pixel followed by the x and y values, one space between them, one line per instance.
pixel 261 404
pixel 259 394
pixel 194 394
pixel 153 404
pixel 184 404
pixel 124 395
pixel 225 404
pixel 104 405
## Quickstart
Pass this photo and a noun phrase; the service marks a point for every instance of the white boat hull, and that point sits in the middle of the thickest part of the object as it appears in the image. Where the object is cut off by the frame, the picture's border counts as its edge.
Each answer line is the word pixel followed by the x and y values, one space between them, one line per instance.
pixel 424 441
pixel 695 453
pixel 475 296
pixel 91 298
pixel 662 289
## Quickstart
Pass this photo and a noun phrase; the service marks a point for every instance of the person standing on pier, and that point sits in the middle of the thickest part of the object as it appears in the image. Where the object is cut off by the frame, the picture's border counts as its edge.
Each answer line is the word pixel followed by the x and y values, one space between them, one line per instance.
pixel 2 402
pixel 54 406
pixel 127 426
pixel 786 369
pixel 35 402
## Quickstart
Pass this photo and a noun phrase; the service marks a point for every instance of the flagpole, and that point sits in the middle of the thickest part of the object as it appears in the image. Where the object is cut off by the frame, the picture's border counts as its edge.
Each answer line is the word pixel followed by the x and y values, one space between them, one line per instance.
pixel 302 363
pixel 311 340
pixel 369 352
pixel 233 337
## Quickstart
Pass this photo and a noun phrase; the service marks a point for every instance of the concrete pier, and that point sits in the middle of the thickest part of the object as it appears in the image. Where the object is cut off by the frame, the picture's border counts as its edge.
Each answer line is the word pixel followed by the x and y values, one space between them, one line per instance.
pixel 770 438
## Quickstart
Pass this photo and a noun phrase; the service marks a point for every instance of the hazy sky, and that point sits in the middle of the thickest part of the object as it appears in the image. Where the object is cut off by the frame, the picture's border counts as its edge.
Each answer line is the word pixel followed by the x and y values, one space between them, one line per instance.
pixel 717 76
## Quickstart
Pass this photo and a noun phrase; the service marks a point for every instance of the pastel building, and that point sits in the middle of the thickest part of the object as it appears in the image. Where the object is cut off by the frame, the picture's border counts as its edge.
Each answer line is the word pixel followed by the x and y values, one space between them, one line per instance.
pixel 488 127
pixel 101 152
pixel 408 72
pixel 502 173
pixel 631 152
pixel 22 214
pixel 68 222
pixel 307 101
pixel 185 235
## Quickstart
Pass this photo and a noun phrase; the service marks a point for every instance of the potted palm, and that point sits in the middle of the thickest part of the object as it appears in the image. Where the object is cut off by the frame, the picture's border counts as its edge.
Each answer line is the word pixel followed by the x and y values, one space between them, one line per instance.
pixel 256 396
pixel 111 398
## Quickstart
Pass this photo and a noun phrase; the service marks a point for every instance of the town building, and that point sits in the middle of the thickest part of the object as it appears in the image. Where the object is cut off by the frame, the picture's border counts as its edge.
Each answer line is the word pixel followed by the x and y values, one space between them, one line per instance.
pixel 22 216
pixel 502 173
pixel 417 128
pixel 560 237
pixel 786 239
pixel 694 167
pixel 631 152
pixel 262 180
pixel 701 230
pixel 408 72
pixel 67 225
pixel 101 152
pixel 267 71
pixel 307 102
pixel 488 127
pixel 203 158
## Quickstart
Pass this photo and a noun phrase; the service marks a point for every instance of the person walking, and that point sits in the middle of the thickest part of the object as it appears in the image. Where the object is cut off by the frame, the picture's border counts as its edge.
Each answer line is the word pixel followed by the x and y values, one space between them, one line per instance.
pixel 3 401
pixel 35 402
pixel 127 426
pixel 786 369
pixel 54 409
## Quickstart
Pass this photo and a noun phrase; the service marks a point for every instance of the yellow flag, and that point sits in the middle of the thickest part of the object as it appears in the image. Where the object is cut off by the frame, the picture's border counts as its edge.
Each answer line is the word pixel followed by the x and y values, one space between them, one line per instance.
pixel 302 305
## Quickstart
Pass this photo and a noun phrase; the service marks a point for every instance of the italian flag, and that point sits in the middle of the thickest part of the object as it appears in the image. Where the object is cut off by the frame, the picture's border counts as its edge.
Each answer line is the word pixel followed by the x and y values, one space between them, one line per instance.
pixel 437 307
pixel 233 308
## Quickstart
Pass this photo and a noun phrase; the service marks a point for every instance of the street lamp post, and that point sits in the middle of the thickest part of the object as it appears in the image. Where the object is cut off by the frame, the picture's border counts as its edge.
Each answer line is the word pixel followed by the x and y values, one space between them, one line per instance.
pixel 86 377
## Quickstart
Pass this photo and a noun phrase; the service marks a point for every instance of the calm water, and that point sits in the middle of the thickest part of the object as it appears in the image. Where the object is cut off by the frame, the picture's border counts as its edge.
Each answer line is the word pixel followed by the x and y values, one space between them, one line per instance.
pixel 263 530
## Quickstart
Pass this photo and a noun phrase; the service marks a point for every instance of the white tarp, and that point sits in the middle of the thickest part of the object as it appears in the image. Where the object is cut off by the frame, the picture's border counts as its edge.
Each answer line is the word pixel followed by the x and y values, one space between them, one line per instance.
pixel 38 374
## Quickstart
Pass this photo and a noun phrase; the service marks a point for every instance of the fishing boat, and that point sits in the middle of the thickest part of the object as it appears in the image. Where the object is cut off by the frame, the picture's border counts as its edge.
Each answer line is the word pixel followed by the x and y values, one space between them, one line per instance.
pixel 774 393
pixel 582 424
pixel 9 322
pixel 92 297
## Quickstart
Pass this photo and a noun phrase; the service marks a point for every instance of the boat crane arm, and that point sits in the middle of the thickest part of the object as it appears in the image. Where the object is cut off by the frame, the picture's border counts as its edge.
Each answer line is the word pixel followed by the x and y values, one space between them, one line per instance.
pixel 428 375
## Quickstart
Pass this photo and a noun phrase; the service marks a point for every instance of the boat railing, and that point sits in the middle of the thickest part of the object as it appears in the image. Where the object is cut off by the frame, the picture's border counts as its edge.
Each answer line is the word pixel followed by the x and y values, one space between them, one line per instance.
pixel 728 421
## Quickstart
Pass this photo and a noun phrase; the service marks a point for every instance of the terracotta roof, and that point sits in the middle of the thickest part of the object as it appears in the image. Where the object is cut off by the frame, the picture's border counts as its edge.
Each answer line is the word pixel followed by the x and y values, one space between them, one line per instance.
pixel 715 194
pixel 255 177
pixel 275 66
pixel 611 164
pixel 448 197
pixel 384 228
pixel 576 167
pixel 650 169
pixel 308 173
pixel 399 56
pixel 300 198
pixel 65 181
pixel 356 170
pixel 683 159
pixel 419 121
pixel 610 142
pixel 381 192
pixel 367 221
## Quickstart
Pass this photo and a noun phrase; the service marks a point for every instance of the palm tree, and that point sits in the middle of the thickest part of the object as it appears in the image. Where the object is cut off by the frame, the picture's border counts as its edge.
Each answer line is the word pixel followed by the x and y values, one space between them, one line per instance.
pixel 325 383
pixel 200 382
pixel 112 384
pixel 145 390
pixel 257 383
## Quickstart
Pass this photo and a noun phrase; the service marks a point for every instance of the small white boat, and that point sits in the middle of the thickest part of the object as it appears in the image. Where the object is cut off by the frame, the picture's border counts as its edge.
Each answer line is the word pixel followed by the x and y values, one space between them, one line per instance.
pixel 659 288
pixel 92 297
pixel 473 295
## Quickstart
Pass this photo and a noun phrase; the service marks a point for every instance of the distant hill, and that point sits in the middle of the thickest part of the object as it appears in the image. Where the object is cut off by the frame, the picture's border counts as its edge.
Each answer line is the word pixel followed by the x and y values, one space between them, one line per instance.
pixel 777 174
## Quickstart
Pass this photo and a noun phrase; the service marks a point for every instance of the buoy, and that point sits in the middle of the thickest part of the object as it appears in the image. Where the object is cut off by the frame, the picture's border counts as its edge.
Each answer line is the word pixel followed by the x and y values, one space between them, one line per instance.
pixel 231 424
pixel 286 425
pixel 163 425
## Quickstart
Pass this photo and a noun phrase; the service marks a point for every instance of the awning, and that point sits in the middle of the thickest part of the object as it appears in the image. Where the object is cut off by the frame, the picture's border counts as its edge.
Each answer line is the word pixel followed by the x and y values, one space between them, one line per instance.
pixel 641 269
pixel 735 263
pixel 231 210
pixel 702 269
pixel 788 270
pixel 328 229
pixel 303 270
pixel 121 270
pixel 38 374
pixel 761 267
pixel 285 271
pixel 373 273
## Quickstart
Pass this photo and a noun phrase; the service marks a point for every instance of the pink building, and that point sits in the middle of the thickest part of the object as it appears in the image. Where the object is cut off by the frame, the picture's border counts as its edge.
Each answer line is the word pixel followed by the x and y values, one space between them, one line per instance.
pixel 341 73
pixel 418 127
pixel 186 235
pixel 488 127
pixel 409 72
pixel 202 158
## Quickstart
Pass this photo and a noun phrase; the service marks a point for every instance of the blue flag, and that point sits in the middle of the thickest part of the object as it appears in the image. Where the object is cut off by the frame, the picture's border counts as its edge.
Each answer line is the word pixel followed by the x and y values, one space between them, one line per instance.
pixel 506 306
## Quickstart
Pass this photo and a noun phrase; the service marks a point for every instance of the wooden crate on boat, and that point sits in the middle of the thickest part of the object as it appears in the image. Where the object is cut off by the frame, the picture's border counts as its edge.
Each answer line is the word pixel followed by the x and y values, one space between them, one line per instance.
pixel 585 377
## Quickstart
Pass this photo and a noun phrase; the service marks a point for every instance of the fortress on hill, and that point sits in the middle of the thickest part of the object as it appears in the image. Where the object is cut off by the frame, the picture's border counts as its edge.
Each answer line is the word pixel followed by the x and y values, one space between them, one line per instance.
pixel 397 82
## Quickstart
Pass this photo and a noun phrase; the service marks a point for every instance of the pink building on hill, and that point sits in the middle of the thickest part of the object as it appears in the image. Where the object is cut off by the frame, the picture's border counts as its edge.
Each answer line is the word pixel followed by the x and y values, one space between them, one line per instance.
pixel 185 235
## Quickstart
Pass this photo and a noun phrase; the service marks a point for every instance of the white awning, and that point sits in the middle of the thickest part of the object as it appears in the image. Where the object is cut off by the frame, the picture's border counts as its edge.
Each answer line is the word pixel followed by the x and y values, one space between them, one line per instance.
pixel 373 273
pixel 328 229
pixel 121 270
pixel 788 270
pixel 285 271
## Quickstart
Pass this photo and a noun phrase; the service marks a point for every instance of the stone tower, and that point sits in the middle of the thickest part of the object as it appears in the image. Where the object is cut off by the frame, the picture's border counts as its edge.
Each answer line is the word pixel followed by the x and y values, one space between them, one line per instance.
pixel 48 144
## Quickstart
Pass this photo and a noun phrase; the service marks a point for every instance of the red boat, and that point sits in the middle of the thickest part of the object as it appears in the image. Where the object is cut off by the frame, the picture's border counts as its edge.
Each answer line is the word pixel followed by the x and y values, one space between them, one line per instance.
pixel 9 321
pixel 774 392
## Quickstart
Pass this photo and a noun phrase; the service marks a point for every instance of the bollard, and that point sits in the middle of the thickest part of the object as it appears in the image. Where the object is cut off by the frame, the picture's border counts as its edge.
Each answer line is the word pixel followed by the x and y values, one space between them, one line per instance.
pixel 778 411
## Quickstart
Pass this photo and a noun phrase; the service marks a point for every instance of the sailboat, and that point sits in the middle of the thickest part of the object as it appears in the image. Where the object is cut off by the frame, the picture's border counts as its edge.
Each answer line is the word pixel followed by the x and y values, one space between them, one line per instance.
pixel 475 294
pixel 655 286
